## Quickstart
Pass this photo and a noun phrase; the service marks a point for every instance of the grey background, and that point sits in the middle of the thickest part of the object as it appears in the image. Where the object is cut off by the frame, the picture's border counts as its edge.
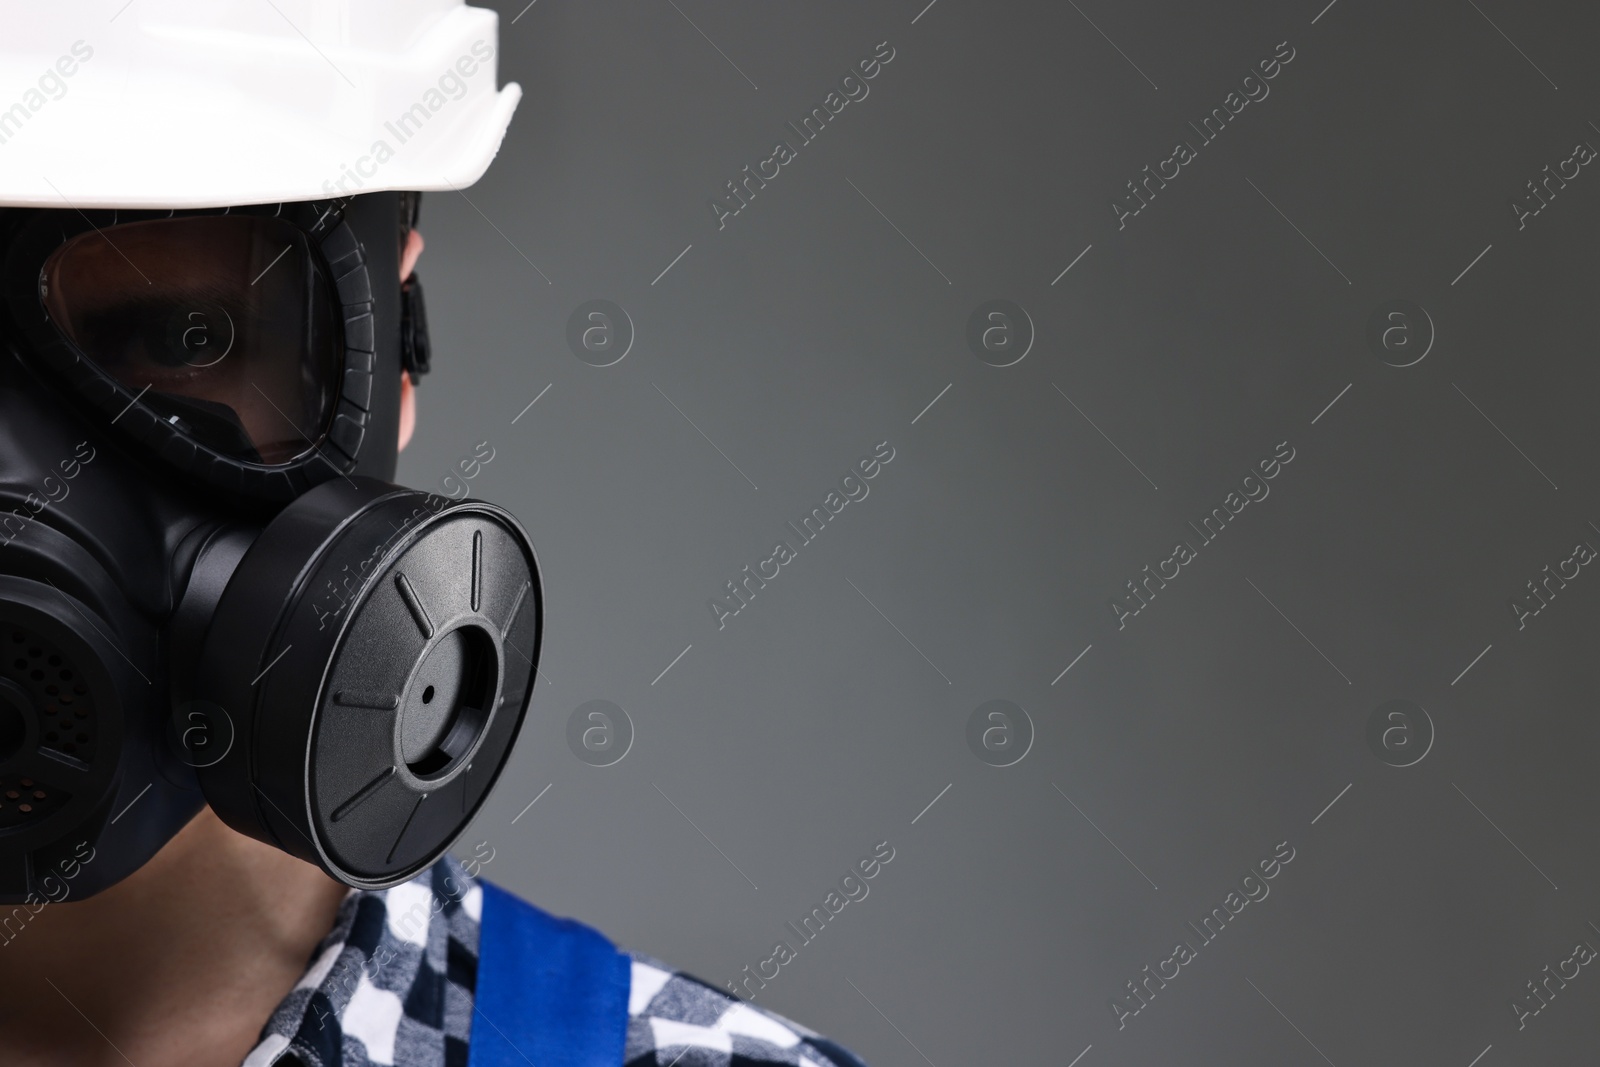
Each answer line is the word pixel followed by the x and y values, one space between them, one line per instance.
pixel 1222 720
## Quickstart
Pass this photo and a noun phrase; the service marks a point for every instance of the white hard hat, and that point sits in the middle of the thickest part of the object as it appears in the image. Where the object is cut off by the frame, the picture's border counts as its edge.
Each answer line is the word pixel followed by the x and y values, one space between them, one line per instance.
pixel 211 103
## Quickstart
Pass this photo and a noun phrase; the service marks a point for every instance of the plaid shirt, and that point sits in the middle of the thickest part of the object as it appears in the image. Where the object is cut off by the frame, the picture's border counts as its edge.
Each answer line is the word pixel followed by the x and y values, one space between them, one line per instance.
pixel 392 983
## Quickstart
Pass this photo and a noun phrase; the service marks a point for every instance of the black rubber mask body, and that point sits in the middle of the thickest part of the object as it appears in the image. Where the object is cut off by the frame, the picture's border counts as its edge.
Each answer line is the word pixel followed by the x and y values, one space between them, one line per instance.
pixel 341 675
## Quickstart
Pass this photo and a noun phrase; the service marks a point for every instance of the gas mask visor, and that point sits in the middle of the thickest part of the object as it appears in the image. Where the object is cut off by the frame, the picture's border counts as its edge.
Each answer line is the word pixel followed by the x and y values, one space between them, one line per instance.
pixel 228 329
pixel 210 592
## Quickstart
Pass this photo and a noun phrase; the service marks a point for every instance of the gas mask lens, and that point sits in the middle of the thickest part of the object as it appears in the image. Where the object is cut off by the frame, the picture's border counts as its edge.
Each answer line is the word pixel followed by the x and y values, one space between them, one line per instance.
pixel 227 326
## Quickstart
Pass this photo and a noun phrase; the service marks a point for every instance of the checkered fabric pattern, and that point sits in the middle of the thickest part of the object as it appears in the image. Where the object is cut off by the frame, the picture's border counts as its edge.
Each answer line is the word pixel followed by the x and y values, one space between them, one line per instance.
pixel 675 1020
pixel 393 983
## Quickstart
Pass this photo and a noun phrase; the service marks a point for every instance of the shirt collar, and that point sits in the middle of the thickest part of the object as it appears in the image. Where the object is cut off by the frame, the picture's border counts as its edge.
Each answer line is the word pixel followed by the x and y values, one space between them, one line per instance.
pixel 392 982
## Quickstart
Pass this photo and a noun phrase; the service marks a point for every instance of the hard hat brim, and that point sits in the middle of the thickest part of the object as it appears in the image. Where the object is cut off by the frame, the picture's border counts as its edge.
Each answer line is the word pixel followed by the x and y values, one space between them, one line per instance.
pixel 199 119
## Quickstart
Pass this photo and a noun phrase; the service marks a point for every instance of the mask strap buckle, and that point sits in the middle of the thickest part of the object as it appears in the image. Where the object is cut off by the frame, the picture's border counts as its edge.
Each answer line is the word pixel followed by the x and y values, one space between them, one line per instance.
pixel 415 348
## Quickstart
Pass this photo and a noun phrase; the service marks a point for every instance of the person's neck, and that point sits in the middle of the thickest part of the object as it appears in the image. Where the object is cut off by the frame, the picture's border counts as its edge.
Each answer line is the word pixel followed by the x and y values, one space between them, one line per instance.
pixel 179 965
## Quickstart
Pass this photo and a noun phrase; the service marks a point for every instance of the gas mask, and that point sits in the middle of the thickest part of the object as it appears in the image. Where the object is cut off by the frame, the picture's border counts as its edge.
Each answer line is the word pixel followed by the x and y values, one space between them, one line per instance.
pixel 211 592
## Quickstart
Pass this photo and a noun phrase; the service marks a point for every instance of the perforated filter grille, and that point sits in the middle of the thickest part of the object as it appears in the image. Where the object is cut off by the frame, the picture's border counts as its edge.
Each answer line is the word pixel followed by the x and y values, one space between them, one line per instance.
pixel 25 800
pixel 67 713
pixel 65 725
